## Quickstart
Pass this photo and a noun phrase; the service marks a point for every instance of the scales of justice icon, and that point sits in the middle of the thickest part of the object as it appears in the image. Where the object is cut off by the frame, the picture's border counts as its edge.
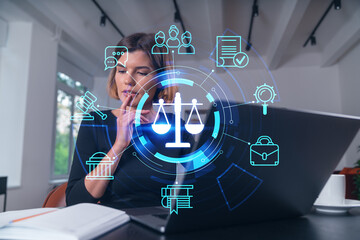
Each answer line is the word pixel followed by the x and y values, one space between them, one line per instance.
pixel 162 128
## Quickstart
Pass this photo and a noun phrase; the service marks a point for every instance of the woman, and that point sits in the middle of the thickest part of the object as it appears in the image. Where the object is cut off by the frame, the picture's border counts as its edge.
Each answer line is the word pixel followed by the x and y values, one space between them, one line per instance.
pixel 134 184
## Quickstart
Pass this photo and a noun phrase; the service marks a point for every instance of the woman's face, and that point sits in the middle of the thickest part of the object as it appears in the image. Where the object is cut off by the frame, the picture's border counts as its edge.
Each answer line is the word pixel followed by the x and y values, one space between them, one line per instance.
pixel 135 78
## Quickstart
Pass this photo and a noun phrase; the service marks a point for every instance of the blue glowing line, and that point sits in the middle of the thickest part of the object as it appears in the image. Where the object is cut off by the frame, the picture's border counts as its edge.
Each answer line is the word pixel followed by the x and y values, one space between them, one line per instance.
pixel 248 143
pixel 142 140
pixel 135 155
pixel 210 97
pixel 216 124
pixel 160 180
pixel 177 80
pixel 247 197
pixel 199 156
pixel 200 161
pixel 139 107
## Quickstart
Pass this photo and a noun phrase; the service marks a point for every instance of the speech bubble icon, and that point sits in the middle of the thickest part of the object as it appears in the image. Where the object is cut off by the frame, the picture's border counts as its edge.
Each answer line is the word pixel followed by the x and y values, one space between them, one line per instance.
pixel 110 62
pixel 115 52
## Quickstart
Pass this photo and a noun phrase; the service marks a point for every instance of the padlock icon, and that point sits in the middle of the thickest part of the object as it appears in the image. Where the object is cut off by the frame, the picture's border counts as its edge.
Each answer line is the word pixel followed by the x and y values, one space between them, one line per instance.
pixel 264 152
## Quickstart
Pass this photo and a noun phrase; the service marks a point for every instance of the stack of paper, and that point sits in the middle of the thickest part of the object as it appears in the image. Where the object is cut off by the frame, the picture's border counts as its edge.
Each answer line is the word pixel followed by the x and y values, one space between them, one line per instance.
pixel 81 221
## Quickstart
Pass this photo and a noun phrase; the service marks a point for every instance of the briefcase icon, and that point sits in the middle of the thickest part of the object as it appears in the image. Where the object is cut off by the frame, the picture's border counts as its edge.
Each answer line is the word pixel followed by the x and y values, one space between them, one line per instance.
pixel 264 152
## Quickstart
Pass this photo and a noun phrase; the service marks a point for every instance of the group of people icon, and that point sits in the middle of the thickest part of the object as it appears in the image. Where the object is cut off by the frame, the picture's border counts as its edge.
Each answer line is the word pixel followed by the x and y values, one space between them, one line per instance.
pixel 173 42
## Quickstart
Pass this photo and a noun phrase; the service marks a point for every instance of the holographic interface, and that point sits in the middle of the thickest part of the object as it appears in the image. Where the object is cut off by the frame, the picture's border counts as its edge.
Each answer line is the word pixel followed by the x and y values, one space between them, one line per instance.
pixel 99 167
pixel 264 153
pixel 84 104
pixel 190 127
pixel 175 197
pixel 162 45
pixel 112 56
pixel 228 52
pixel 200 126
pixel 264 94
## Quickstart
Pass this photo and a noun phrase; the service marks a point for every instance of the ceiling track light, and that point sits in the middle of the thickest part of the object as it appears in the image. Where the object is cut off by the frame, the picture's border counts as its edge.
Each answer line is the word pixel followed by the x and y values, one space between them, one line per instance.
pixel 256 10
pixel 103 20
pixel 177 17
pixel 337 4
pixel 105 17
pixel 255 13
pixel 311 38
pixel 248 46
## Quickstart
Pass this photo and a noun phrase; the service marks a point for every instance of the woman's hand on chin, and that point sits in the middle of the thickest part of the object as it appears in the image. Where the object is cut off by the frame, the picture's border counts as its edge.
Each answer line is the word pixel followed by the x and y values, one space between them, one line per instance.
pixel 125 120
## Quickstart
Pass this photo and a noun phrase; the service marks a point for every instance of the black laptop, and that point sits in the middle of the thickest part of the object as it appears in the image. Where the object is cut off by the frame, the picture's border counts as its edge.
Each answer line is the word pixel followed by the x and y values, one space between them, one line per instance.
pixel 271 167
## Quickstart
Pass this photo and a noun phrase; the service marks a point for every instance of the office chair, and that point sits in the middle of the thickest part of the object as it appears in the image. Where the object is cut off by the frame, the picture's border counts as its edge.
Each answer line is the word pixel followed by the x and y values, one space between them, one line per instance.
pixel 3 189
pixel 56 198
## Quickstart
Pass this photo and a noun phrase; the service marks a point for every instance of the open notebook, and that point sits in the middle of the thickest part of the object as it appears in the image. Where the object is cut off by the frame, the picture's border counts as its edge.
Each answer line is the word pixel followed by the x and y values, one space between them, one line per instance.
pixel 81 221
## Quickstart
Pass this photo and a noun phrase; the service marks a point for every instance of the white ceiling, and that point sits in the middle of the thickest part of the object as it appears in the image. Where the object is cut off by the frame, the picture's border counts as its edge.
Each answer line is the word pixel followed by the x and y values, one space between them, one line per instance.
pixel 278 34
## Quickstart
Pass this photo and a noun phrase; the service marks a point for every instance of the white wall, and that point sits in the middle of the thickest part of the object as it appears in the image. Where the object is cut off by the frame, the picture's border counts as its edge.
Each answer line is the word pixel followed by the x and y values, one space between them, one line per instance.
pixel 15 67
pixel 301 87
pixel 349 75
pixel 28 99
pixel 311 88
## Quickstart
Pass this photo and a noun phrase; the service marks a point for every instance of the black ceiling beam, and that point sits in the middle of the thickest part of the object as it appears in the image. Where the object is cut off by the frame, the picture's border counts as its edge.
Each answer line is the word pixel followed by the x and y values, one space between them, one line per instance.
pixel 311 37
pixel 178 17
pixel 254 13
pixel 107 17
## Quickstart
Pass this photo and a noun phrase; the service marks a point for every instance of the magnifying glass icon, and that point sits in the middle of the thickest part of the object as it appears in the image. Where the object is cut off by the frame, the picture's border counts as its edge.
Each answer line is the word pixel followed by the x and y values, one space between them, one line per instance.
pixel 264 94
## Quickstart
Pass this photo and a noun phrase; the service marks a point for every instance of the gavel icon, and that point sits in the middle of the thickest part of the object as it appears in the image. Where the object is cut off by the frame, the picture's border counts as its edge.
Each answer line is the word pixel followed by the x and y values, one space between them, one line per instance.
pixel 85 103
